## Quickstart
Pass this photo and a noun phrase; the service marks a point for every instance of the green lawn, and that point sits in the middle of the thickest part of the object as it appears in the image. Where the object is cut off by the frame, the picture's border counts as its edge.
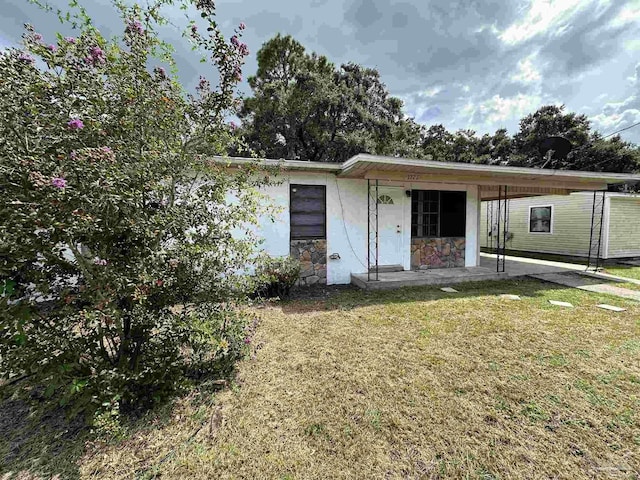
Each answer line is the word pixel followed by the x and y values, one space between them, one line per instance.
pixel 623 271
pixel 413 383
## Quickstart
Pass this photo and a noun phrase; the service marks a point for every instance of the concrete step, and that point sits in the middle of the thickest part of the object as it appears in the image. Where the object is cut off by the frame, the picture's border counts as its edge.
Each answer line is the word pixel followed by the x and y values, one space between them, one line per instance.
pixel 387 268
pixel 416 279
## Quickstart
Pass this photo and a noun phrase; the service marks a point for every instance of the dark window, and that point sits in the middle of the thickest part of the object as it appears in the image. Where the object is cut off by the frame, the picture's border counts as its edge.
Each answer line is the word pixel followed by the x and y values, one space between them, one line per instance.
pixel 453 214
pixel 308 211
pixel 540 219
pixel 437 213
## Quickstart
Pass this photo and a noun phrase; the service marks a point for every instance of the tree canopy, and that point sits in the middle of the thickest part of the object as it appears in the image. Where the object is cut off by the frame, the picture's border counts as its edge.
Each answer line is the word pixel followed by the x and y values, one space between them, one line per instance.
pixel 305 108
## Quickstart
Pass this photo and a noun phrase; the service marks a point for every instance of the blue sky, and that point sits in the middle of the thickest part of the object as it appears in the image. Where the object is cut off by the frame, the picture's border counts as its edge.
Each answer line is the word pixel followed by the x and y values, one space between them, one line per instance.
pixel 478 64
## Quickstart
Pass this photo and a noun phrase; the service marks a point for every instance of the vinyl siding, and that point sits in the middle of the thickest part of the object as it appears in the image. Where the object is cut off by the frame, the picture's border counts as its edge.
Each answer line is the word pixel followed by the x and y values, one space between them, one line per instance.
pixel 571 224
pixel 624 227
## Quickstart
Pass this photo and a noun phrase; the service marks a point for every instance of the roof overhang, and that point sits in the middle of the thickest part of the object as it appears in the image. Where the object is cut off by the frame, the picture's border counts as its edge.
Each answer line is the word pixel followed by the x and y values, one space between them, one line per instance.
pixel 288 165
pixel 520 181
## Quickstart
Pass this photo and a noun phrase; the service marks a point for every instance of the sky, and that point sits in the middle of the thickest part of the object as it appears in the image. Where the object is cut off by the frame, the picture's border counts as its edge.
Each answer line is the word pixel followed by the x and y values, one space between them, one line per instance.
pixel 466 64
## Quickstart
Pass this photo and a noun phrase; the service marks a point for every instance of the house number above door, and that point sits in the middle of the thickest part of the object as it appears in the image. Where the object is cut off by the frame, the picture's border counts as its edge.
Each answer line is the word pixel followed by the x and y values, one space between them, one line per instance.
pixel 413 177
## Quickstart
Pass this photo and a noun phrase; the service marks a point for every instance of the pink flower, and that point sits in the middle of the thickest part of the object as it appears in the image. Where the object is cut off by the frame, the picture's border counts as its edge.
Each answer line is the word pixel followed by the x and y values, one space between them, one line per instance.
pixel 237 74
pixel 106 149
pixel 159 282
pixel 234 41
pixel 70 39
pixel 52 48
pixel 136 27
pixel 37 37
pixel 194 29
pixel 247 340
pixel 75 124
pixel 242 26
pixel 96 56
pixel 203 83
pixel 25 57
pixel 233 125
pixel 100 261
pixel 244 50
pixel 58 182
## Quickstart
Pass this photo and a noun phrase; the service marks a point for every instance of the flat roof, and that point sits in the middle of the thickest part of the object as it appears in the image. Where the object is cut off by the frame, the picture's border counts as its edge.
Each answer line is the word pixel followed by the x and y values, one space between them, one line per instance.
pixel 366 166
pixel 407 164
pixel 287 164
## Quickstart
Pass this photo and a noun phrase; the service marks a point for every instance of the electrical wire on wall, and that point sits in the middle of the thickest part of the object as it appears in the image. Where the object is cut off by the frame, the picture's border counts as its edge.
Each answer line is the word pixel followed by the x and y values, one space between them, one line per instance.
pixel 344 225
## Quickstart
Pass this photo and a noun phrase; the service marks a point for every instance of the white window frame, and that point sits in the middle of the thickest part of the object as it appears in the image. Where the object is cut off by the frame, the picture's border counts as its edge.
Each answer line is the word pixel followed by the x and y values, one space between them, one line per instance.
pixel 550 232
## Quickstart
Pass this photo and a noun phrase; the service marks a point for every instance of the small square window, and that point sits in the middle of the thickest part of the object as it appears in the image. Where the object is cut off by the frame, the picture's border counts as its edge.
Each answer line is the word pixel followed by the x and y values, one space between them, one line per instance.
pixel 540 219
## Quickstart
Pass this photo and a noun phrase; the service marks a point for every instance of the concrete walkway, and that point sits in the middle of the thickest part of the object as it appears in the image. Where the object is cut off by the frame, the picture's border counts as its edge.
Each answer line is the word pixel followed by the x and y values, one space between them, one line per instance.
pixel 566 274
pixel 588 284
pixel 519 266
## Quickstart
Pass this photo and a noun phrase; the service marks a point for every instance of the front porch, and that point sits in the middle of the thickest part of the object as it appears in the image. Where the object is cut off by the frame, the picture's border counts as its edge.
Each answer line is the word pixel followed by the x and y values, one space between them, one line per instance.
pixel 448 276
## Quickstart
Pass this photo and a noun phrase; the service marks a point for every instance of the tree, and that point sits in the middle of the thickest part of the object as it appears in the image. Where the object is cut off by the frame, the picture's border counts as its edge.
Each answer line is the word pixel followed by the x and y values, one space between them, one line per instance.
pixel 437 142
pixel 495 149
pixel 590 151
pixel 304 108
pixel 118 265
pixel 547 121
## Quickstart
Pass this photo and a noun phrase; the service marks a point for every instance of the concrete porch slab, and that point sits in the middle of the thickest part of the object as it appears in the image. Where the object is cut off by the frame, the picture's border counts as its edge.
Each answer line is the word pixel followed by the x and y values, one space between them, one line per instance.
pixel 411 278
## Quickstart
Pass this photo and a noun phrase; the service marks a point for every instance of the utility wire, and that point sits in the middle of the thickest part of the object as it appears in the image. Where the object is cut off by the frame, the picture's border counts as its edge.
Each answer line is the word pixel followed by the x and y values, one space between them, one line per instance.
pixel 622 130
pixel 606 136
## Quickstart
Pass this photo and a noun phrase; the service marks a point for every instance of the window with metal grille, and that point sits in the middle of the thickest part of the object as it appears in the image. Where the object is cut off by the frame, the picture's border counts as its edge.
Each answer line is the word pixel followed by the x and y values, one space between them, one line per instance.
pixel 307 209
pixel 436 213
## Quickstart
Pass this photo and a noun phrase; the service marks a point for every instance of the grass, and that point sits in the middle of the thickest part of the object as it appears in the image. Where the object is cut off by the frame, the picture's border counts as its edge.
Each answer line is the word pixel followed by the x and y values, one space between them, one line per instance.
pixel 624 271
pixel 413 383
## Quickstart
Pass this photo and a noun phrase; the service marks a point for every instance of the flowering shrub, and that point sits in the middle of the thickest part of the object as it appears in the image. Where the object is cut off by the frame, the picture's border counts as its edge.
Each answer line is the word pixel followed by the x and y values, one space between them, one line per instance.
pixel 276 276
pixel 117 259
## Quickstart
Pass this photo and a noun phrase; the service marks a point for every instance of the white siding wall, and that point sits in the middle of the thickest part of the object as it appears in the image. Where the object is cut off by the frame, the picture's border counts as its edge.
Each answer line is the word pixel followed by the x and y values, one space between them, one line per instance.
pixel 347 221
pixel 571 224
pixel 624 226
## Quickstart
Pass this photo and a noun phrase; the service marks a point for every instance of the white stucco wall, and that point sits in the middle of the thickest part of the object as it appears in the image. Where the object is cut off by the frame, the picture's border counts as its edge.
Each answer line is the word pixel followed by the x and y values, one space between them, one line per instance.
pixel 347 221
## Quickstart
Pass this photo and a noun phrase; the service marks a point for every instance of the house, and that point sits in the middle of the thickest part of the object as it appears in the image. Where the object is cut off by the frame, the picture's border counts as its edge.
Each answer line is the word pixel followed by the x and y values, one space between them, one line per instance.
pixel 561 224
pixel 375 213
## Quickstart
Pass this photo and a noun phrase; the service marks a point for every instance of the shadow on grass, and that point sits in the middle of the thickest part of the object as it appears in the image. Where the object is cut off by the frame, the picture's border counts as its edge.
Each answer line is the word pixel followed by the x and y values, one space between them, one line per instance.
pixel 35 443
pixel 348 297
pixel 40 442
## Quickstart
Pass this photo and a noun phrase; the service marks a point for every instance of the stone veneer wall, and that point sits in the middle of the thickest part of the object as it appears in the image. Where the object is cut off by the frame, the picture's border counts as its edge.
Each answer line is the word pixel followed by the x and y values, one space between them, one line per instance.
pixel 312 255
pixel 437 252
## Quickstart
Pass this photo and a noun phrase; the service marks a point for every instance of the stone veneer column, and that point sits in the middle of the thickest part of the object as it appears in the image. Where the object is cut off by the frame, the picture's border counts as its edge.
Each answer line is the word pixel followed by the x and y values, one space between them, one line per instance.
pixel 445 252
pixel 312 255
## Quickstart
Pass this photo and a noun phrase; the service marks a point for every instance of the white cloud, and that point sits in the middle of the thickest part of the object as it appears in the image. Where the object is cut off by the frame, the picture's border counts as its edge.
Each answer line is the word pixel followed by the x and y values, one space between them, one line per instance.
pixel 629 14
pixel 610 123
pixel 430 92
pixel 527 72
pixel 617 115
pixel 632 44
pixel 543 15
pixel 498 109
pixel 635 78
